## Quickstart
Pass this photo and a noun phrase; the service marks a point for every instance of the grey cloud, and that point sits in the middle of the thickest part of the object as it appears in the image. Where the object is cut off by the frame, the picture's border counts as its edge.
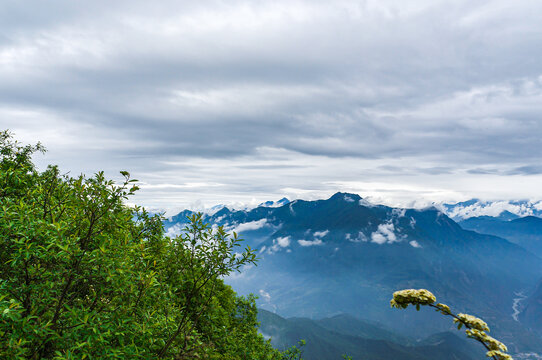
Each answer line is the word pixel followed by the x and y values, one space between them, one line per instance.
pixel 526 170
pixel 436 170
pixel 482 171
pixel 271 167
pixel 440 87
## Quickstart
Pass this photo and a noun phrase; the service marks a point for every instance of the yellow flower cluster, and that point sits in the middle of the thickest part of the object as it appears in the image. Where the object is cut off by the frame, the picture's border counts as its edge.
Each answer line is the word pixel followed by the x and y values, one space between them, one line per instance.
pixel 472 321
pixel 444 309
pixel 499 355
pixel 492 343
pixel 497 348
pixel 403 298
pixel 476 328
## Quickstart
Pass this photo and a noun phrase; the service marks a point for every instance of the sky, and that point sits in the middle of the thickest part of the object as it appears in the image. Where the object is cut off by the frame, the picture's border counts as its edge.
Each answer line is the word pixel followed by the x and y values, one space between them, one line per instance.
pixel 239 102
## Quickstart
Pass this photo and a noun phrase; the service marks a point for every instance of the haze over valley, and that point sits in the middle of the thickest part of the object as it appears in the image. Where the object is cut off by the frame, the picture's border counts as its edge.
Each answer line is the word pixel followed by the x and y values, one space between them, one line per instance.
pixel 344 256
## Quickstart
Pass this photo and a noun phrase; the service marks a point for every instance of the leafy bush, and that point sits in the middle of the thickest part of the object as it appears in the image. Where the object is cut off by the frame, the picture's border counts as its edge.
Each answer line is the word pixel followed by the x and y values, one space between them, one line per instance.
pixel 82 275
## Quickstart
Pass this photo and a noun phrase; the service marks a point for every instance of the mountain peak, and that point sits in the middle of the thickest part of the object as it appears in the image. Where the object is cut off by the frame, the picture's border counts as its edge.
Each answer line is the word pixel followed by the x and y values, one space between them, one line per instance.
pixel 278 203
pixel 223 211
pixel 340 196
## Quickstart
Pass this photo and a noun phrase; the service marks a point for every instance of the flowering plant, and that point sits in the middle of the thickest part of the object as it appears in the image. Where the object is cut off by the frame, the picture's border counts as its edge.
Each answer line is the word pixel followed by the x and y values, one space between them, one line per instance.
pixel 475 328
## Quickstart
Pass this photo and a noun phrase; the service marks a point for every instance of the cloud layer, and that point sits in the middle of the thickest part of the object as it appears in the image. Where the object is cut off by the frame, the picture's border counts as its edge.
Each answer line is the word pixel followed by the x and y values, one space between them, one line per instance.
pixel 238 100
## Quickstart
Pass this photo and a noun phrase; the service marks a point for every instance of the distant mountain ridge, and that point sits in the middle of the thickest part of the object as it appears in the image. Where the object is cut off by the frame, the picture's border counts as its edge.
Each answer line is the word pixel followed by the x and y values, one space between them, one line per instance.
pixel 503 210
pixel 525 231
pixel 344 255
pixel 330 338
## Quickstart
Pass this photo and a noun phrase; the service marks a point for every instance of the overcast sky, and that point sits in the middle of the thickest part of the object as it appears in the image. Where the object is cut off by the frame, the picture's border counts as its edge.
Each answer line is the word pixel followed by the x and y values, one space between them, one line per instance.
pixel 207 102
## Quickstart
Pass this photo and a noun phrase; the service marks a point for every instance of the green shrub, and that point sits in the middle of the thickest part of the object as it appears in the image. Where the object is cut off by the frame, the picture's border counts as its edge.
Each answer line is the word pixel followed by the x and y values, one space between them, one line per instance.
pixel 82 275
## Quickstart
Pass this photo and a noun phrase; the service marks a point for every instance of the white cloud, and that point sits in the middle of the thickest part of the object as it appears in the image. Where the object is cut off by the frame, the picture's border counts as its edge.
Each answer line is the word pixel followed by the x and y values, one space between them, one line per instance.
pixel 283 241
pixel 360 237
pixel 364 202
pixel 378 238
pixel 291 207
pixel 348 199
pixel 415 244
pixel 315 242
pixel 490 209
pixel 320 234
pixel 399 212
pixel 278 244
pixel 174 231
pixel 265 295
pixel 317 235
pixel 252 225
pixel 384 234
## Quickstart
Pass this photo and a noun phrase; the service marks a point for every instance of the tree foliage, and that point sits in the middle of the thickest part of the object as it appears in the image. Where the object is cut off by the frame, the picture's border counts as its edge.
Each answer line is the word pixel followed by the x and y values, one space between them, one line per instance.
pixel 82 275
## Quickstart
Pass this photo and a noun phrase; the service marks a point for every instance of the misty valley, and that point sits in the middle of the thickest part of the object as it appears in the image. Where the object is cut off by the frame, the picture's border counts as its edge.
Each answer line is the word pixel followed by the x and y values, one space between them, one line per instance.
pixel 327 270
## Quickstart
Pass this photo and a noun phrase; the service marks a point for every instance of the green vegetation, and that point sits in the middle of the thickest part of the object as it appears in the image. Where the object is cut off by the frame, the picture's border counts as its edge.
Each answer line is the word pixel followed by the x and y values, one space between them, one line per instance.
pixel 476 328
pixel 83 276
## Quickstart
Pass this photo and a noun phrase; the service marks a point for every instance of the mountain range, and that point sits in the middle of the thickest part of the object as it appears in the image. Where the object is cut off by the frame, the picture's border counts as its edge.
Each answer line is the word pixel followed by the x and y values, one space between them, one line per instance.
pixel 504 210
pixel 344 255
